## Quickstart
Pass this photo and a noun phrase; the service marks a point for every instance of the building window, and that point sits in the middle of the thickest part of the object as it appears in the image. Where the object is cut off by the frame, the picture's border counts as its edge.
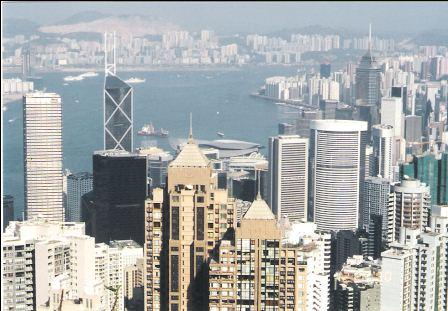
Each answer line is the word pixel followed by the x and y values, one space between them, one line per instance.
pixel 200 223
pixel 175 223
pixel 174 273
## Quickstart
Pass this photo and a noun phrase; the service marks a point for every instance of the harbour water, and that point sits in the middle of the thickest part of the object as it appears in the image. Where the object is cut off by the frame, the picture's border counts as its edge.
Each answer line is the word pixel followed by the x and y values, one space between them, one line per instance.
pixel 219 100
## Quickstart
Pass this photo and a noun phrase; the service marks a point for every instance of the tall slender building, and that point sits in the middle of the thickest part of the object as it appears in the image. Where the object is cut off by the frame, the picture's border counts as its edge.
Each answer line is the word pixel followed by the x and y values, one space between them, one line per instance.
pixel 42 143
pixel 337 165
pixel 188 221
pixel 288 170
pixel 368 78
pixel 383 142
pixel 118 104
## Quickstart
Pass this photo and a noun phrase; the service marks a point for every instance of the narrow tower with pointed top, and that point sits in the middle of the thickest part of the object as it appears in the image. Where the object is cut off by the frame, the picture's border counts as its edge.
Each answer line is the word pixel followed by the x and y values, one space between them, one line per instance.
pixel 197 216
pixel 118 103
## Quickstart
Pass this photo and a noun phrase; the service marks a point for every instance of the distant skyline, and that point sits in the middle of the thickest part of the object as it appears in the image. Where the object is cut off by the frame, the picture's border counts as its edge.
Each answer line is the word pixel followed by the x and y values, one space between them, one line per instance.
pixel 254 17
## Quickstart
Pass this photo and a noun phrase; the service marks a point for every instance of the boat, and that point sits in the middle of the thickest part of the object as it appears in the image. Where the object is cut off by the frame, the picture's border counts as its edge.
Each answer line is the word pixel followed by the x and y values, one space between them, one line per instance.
pixel 135 80
pixel 73 78
pixel 148 130
pixel 220 134
pixel 88 74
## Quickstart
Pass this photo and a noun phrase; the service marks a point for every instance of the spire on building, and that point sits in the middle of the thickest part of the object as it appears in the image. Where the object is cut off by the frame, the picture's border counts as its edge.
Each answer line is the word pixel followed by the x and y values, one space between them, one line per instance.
pixel 370 37
pixel 190 136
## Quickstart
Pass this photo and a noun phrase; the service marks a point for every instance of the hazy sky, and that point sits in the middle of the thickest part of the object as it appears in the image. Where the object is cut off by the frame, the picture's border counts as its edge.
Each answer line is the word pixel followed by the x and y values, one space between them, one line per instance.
pixel 232 17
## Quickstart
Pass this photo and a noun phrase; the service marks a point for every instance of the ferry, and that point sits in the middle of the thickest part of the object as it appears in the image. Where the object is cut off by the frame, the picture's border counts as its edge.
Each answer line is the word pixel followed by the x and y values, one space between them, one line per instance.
pixel 73 78
pixel 148 130
pixel 88 74
pixel 220 134
pixel 135 80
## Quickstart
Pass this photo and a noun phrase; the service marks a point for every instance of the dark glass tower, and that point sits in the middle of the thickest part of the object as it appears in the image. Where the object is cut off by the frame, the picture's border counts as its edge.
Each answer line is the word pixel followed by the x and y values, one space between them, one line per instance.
pixel 118 106
pixel 114 210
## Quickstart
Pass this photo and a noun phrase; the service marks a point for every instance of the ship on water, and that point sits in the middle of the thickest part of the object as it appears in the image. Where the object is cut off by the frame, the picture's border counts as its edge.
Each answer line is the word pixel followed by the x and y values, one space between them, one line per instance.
pixel 148 130
pixel 135 80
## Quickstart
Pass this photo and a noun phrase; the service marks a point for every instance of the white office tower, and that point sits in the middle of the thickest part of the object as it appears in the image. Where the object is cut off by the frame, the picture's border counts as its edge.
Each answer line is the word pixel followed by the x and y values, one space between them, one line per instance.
pixel 413 275
pixel 288 171
pixel 383 139
pixel 315 253
pixel 37 253
pixel 77 185
pixel 412 204
pixel 392 114
pixel 337 171
pixel 378 200
pixel 42 143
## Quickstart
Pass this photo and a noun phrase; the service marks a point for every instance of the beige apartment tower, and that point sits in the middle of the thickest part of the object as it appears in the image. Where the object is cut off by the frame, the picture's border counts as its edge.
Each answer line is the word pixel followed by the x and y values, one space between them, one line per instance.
pixel 184 224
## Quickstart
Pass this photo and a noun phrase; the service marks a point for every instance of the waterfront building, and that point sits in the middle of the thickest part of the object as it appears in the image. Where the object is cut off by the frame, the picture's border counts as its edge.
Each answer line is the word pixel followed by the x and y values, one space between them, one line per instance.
pixel 288 171
pixel 118 103
pixel 114 209
pixel 78 184
pixel 43 155
pixel 337 172
pixel 358 285
pixel 7 210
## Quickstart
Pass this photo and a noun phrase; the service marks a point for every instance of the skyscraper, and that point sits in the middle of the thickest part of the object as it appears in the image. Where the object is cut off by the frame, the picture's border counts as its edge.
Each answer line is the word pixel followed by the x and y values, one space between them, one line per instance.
pixel 368 79
pixel 43 155
pixel 392 114
pixel 78 184
pixel 383 142
pixel 118 104
pixel 115 207
pixel 337 171
pixel 194 215
pixel 288 170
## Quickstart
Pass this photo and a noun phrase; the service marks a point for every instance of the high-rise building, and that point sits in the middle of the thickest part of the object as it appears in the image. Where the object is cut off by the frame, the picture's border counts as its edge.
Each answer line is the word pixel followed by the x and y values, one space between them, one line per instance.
pixel 413 275
pixel 358 285
pixel 383 142
pixel 337 172
pixel 78 184
pixel 402 93
pixel 115 208
pixel 46 261
pixel 392 114
pixel 158 161
pixel 196 216
pixel 268 267
pixel 118 103
pixel 8 210
pixel 413 128
pixel 412 205
pixel 43 155
pixel 325 70
pixel 378 200
pixel 288 170
pixel 368 79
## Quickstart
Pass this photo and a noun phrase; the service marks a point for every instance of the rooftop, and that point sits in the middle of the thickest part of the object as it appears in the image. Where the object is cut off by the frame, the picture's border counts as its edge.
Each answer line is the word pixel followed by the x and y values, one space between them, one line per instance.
pixel 259 210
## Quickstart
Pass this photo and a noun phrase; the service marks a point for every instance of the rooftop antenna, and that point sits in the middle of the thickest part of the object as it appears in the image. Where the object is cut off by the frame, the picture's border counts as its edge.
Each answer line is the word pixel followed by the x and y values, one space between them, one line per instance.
pixel 190 136
pixel 257 175
pixel 109 51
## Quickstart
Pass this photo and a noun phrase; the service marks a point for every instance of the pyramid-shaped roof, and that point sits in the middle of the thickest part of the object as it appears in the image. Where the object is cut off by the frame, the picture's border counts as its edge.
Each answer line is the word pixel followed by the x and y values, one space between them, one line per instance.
pixel 259 210
pixel 190 156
